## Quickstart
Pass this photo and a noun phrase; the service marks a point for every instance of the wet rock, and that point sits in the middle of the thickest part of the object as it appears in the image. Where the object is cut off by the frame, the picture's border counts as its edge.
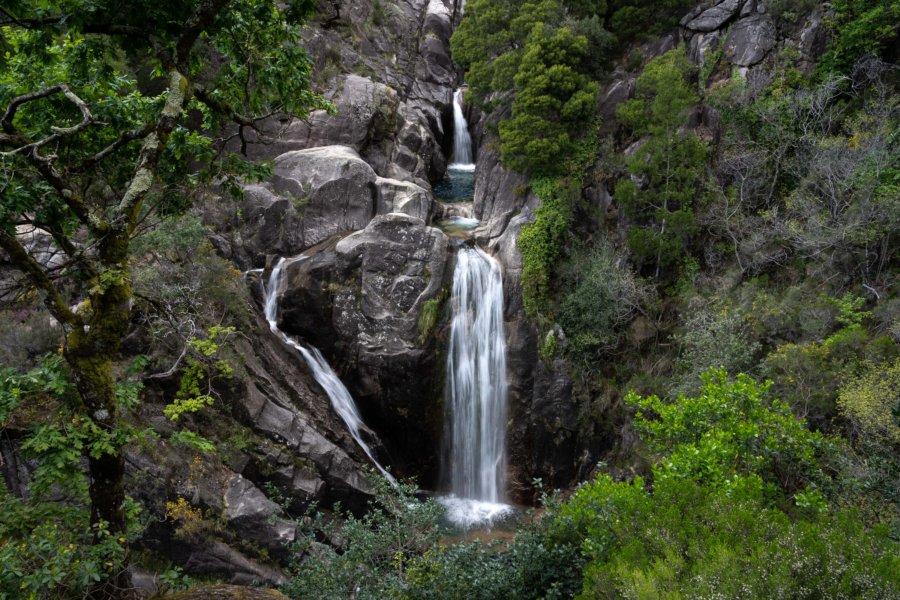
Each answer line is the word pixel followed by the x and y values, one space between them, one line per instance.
pixel 750 40
pixel 369 290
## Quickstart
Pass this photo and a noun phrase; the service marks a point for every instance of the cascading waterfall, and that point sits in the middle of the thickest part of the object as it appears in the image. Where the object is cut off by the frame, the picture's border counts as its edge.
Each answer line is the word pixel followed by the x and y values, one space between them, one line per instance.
pixel 340 397
pixel 476 392
pixel 462 141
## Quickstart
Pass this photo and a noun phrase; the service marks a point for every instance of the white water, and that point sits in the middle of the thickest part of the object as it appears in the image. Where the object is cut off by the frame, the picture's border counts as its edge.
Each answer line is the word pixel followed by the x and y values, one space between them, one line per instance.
pixel 341 400
pixel 462 141
pixel 476 392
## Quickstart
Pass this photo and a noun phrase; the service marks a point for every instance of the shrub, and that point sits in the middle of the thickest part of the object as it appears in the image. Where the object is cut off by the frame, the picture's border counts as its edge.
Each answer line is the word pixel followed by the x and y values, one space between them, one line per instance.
pixel 871 404
pixel 603 296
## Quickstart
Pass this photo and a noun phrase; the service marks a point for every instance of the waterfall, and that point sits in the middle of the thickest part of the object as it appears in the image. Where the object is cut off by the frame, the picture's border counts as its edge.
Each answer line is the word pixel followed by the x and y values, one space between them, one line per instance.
pixel 341 400
pixel 476 391
pixel 462 141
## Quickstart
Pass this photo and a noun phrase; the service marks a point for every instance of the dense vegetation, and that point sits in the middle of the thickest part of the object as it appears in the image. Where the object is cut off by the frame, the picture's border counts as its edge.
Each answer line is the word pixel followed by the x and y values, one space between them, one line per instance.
pixel 742 500
pixel 757 424
pixel 110 112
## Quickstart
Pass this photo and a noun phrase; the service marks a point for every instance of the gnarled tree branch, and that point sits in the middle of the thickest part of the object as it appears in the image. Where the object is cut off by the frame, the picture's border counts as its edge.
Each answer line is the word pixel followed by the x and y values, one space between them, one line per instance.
pixel 38 277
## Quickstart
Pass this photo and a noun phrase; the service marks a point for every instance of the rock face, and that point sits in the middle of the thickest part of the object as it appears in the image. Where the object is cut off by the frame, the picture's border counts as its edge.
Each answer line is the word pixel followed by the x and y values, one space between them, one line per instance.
pixel 715 17
pixel 362 299
pixel 391 82
pixel 750 40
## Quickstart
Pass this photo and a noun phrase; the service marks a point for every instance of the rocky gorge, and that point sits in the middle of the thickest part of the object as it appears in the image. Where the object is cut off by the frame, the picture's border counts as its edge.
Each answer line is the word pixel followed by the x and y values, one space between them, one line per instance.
pixel 351 220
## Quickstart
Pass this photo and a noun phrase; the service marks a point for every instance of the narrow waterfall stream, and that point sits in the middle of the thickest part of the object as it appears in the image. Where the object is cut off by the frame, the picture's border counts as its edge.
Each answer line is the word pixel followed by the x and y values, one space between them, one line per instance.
pixel 476 392
pixel 341 400
pixel 462 141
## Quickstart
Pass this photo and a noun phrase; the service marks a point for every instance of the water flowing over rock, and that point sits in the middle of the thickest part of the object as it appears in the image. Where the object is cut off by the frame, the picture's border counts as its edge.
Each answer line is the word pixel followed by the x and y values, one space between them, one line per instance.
pixel 361 298
pixel 340 398
pixel 462 141
pixel 476 390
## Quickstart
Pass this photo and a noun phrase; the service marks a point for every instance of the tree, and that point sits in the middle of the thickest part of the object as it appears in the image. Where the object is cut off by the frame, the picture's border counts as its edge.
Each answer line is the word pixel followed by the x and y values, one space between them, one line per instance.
pixel 665 172
pixel 90 153
pixel 553 98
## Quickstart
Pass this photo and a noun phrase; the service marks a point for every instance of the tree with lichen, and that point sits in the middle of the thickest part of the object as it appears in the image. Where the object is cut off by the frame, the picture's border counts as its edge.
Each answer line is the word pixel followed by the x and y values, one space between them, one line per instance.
pixel 110 117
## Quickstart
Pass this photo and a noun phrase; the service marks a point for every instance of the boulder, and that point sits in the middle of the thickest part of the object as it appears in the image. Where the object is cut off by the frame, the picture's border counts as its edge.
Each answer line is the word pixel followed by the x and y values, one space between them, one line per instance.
pixel 331 187
pixel 403 197
pixel 219 560
pixel 715 17
pixel 369 291
pixel 254 517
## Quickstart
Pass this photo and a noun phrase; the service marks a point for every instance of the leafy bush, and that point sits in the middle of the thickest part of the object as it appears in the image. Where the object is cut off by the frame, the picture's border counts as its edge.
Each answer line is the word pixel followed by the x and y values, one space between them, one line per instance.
pixel 51 551
pixel 541 243
pixel 709 527
pixel 871 403
pixel 602 298
pixel 396 551
pixel 713 337
pixel 860 27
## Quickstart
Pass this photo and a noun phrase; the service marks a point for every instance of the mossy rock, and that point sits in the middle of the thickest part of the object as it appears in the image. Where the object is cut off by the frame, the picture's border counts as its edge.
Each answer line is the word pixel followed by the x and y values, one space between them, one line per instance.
pixel 227 592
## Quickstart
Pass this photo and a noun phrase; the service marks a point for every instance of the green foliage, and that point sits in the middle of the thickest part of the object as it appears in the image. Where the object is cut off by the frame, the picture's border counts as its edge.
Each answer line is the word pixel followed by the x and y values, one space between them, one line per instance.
pixel 541 243
pixel 192 440
pixel 636 19
pixel 730 429
pixel 52 551
pixel 810 374
pixel 684 540
pixel 553 99
pixel 708 527
pixel 790 11
pixel 374 551
pixel 714 337
pixel 200 370
pixel 809 171
pixel 398 550
pixel 601 298
pixel 431 314
pixel 59 436
pixel 859 27
pixel 871 403
pixel 665 172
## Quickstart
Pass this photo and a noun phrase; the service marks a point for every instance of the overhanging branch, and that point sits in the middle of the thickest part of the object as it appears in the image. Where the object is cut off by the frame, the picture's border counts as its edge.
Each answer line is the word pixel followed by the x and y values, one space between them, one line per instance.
pixel 38 277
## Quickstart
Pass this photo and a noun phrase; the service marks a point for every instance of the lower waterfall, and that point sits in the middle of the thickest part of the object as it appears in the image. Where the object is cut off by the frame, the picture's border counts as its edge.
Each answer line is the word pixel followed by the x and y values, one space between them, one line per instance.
pixel 476 392
pixel 340 397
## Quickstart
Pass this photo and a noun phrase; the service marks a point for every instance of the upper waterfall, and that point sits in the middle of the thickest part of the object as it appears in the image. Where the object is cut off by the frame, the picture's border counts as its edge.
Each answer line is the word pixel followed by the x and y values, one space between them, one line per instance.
pixel 340 397
pixel 476 391
pixel 462 141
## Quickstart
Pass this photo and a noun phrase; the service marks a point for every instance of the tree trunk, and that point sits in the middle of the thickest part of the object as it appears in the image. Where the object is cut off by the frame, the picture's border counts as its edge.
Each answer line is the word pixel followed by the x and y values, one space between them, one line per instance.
pixel 90 352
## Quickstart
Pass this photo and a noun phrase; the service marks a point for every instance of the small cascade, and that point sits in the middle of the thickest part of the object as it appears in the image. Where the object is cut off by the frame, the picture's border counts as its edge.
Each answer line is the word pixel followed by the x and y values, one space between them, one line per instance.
pixel 476 392
pixel 462 141
pixel 341 400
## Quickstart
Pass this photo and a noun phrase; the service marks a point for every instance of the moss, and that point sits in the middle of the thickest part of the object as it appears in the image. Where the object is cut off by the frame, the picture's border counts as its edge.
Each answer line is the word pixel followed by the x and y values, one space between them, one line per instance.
pixel 431 313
